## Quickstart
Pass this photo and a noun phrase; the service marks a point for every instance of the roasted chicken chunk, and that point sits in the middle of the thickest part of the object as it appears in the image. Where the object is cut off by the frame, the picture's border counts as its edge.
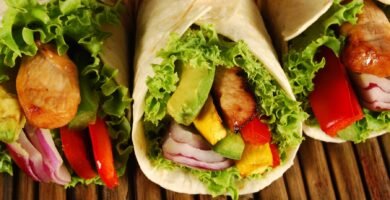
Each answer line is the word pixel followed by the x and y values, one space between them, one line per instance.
pixel 368 42
pixel 367 56
pixel 48 88
pixel 233 97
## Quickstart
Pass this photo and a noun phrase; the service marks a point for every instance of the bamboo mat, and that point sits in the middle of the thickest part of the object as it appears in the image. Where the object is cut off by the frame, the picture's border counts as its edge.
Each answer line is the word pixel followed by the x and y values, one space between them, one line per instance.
pixel 321 171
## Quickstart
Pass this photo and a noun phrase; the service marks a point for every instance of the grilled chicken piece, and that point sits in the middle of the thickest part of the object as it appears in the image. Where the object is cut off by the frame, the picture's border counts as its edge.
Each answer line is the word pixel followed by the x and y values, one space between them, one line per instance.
pixel 368 42
pixel 48 88
pixel 232 96
pixel 367 56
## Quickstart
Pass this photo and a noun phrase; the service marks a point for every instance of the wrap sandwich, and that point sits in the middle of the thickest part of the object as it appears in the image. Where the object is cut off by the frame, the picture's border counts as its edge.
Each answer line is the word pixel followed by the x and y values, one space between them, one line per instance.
pixel 213 112
pixel 65 105
pixel 336 55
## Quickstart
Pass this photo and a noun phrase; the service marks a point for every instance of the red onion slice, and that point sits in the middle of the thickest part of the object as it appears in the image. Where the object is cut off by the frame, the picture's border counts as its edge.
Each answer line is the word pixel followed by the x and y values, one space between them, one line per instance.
pixel 374 91
pixel 375 94
pixel 184 147
pixel 376 105
pixel 184 134
pixel 366 80
pixel 21 156
pixel 60 175
pixel 190 162
pixel 35 158
pixel 173 147
pixel 42 140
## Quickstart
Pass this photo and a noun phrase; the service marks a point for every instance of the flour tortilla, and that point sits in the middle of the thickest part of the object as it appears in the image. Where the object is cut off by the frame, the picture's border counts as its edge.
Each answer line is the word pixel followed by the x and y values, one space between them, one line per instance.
pixel 289 19
pixel 385 1
pixel 236 20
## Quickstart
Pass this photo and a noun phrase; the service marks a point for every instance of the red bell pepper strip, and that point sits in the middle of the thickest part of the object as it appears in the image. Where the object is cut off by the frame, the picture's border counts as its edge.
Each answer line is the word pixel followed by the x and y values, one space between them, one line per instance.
pixel 275 155
pixel 76 152
pixel 256 132
pixel 102 151
pixel 333 100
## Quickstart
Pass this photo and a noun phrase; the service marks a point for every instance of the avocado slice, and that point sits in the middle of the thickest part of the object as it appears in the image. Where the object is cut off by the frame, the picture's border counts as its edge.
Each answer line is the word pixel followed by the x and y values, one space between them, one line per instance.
pixel 191 93
pixel 232 146
pixel 12 119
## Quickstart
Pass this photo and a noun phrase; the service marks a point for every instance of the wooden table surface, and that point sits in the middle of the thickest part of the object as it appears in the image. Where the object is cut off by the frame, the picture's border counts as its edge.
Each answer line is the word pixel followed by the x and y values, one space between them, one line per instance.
pixel 321 171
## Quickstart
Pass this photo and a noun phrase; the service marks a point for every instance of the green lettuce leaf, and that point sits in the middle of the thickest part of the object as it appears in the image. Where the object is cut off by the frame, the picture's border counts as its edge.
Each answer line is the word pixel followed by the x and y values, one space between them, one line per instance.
pixel 372 122
pixel 89 105
pixel 74 26
pixel 203 47
pixel 77 180
pixel 301 66
pixel 5 161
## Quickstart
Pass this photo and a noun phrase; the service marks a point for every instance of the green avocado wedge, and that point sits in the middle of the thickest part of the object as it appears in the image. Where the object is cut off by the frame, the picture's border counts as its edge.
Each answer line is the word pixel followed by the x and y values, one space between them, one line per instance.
pixel 12 119
pixel 232 146
pixel 191 93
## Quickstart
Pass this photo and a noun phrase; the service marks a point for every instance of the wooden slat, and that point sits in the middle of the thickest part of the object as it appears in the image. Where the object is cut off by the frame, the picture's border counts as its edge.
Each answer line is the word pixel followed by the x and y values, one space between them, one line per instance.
pixel 25 184
pixel 385 143
pixel 6 188
pixel 51 191
pixel 120 192
pixel 222 197
pixel 315 170
pixel 373 166
pixel 132 174
pixel 247 197
pixel 294 182
pixel 208 197
pixel 177 196
pixel 277 190
pixel 85 192
pixel 345 171
pixel 145 189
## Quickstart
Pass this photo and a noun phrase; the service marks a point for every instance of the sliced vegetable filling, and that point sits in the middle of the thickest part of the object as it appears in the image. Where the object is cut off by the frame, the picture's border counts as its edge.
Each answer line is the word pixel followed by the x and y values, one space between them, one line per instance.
pixel 51 65
pixel 302 66
pixel 211 108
